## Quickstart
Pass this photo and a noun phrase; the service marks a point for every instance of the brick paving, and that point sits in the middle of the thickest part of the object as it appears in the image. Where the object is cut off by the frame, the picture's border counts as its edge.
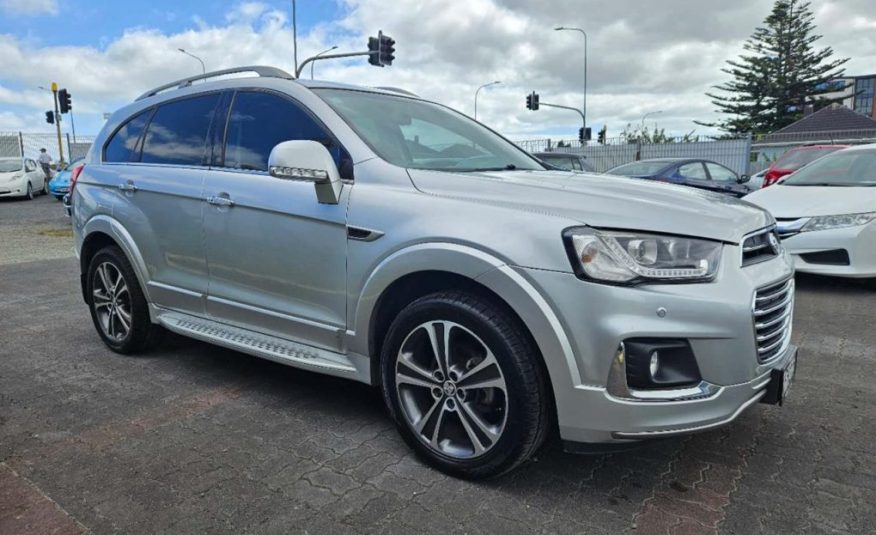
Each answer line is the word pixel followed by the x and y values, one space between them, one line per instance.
pixel 194 438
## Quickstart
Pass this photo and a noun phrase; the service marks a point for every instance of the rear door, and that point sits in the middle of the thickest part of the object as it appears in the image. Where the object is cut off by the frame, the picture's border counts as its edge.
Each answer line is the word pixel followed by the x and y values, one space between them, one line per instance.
pixel 34 174
pixel 158 161
pixel 276 256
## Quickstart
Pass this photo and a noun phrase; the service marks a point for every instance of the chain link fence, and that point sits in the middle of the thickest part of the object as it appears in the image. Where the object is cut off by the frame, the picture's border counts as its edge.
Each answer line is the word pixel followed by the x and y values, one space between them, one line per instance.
pixel 731 152
pixel 20 144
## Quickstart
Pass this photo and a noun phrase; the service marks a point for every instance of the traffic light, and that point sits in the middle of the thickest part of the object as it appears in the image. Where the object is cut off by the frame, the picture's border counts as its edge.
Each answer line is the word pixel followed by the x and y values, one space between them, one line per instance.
pixel 387 48
pixel 532 101
pixel 600 137
pixel 50 117
pixel 381 50
pixel 374 51
pixel 65 101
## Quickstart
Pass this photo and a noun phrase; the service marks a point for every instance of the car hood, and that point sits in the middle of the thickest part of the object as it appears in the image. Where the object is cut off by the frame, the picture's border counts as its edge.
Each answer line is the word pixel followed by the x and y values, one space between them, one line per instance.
pixel 604 201
pixel 8 175
pixel 808 201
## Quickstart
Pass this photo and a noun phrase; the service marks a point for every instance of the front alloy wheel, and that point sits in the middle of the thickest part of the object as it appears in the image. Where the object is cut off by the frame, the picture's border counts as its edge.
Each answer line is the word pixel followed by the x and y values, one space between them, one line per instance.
pixel 451 389
pixel 465 384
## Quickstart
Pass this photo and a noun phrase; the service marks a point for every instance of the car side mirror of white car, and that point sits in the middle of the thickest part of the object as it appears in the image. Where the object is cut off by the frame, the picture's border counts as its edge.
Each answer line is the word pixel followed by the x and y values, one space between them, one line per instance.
pixel 308 161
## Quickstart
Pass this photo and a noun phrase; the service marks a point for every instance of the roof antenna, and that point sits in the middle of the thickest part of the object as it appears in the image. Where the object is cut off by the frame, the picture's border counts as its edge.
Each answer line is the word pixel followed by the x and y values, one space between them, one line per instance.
pixel 294 37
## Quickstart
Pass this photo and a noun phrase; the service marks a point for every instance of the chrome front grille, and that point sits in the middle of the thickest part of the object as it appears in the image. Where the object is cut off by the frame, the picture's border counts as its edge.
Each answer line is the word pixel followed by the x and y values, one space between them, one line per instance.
pixel 773 314
pixel 760 247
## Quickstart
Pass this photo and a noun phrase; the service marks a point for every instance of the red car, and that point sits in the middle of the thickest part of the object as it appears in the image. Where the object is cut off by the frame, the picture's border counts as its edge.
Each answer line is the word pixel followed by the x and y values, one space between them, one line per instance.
pixel 795 159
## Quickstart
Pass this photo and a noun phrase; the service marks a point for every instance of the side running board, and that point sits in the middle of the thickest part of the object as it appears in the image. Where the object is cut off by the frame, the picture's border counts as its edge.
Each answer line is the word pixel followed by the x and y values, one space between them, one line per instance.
pixel 259 344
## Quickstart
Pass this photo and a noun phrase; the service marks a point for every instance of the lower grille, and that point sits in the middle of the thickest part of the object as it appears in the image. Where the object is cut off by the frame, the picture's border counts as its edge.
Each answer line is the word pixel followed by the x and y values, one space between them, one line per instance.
pixel 773 314
pixel 834 257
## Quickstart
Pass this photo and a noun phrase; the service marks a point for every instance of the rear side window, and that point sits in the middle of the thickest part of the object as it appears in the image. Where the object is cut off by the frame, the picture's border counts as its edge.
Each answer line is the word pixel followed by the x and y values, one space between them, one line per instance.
pixel 177 133
pixel 123 145
pixel 259 121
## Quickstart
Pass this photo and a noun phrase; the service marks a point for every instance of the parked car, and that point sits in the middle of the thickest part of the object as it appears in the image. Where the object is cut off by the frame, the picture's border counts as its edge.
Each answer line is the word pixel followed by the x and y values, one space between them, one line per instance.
pixel 702 174
pixel 21 177
pixel 757 180
pixel 826 213
pixel 387 239
pixel 795 159
pixel 566 161
pixel 60 184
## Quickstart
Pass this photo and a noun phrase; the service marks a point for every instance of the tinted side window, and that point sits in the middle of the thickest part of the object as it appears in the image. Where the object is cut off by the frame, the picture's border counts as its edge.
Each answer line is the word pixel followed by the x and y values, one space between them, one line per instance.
pixel 259 121
pixel 692 170
pixel 576 164
pixel 719 172
pixel 177 133
pixel 122 145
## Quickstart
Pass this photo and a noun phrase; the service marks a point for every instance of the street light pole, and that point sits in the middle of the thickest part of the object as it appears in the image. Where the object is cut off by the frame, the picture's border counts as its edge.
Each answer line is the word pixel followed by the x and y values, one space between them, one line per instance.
pixel 562 28
pixel 203 67
pixel 476 96
pixel 646 116
pixel 318 55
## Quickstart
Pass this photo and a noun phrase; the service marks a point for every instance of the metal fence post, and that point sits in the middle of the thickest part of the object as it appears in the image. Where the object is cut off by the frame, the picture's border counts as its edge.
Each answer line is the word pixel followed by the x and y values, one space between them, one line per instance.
pixel 21 143
pixel 69 148
pixel 748 139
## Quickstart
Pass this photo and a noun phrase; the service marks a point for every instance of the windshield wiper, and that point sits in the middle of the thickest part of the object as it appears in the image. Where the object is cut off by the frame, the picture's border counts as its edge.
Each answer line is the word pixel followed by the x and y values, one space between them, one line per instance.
pixel 509 167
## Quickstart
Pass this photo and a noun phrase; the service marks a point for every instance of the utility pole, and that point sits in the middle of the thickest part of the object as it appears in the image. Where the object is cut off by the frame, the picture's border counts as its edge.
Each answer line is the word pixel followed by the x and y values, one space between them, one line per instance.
pixel 58 124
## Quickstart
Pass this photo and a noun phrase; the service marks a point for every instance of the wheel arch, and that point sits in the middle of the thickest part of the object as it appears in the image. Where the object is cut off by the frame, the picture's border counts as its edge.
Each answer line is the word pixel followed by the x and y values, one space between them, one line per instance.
pixel 102 231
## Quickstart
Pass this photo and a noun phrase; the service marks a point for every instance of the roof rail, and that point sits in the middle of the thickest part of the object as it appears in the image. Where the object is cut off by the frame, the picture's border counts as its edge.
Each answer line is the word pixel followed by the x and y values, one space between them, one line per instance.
pixel 261 70
pixel 397 90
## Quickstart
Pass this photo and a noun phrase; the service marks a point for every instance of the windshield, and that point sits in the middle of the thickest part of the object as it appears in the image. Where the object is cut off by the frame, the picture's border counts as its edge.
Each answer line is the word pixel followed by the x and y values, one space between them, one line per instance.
pixel 795 159
pixel 639 169
pixel 422 135
pixel 851 168
pixel 10 166
pixel 563 162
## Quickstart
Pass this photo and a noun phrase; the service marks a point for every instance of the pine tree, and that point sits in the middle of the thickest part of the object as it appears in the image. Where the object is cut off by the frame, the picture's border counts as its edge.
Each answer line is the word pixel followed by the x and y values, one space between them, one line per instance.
pixel 779 74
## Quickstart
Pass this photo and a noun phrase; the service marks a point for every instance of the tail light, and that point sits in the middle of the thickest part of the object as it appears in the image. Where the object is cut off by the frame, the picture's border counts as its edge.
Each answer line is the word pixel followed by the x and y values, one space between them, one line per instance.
pixel 771 177
pixel 75 175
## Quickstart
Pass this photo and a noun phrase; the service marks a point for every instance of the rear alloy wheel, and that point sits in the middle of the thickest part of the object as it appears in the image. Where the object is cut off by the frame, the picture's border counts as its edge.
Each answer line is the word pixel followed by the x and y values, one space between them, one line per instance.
pixel 118 306
pixel 463 385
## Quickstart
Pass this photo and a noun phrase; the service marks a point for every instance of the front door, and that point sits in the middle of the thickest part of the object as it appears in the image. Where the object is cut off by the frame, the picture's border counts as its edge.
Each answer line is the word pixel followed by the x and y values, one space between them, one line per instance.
pixel 276 256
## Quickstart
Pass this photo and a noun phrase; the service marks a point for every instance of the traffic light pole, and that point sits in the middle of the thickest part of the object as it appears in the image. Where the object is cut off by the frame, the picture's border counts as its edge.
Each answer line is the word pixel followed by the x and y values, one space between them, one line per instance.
pixel 330 56
pixel 58 125
pixel 576 110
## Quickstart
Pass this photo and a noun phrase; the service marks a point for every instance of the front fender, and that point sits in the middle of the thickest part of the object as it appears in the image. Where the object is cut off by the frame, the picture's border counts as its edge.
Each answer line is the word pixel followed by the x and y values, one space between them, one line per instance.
pixel 486 270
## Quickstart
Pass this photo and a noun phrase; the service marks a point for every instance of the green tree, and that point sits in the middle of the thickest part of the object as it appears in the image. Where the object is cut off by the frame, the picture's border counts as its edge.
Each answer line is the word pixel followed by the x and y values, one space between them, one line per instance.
pixel 779 74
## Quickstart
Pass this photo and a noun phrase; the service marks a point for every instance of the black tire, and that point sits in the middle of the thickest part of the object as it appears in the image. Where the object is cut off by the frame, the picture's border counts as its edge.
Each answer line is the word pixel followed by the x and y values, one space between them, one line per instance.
pixel 29 193
pixel 528 397
pixel 45 190
pixel 142 333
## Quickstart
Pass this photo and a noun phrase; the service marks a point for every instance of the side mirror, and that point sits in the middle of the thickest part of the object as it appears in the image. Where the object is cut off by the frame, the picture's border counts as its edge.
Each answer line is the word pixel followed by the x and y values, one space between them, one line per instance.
pixel 743 179
pixel 308 161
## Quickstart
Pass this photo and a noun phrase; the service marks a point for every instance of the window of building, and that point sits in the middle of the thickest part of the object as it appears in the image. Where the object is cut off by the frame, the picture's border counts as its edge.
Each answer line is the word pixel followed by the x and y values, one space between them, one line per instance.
pixel 864 96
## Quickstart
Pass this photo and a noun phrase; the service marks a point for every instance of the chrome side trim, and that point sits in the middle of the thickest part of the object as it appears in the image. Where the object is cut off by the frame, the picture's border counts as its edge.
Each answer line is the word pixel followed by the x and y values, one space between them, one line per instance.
pixel 695 429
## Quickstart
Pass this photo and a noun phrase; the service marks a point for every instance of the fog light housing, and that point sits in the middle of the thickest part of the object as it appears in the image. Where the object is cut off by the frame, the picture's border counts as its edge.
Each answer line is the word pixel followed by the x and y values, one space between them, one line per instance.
pixel 654 363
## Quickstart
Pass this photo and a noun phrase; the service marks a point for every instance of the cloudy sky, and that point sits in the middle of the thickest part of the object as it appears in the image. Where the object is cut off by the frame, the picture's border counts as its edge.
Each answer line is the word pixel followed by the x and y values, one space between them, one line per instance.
pixel 644 56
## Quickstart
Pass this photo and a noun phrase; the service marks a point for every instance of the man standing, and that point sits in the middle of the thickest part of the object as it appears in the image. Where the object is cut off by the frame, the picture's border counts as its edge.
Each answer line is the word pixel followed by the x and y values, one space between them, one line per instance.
pixel 45 162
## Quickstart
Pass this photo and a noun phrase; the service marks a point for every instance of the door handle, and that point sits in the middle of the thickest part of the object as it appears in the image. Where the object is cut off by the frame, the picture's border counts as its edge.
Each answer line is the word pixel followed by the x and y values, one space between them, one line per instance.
pixel 218 200
pixel 128 186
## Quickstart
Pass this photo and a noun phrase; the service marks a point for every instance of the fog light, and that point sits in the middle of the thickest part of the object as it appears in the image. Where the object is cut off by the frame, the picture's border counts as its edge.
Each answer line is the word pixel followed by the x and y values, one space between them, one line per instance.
pixel 655 364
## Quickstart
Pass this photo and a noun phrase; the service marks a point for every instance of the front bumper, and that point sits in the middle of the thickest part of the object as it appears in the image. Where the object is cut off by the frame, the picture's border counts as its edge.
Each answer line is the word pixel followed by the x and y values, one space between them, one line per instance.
pixel 716 318
pixel 858 242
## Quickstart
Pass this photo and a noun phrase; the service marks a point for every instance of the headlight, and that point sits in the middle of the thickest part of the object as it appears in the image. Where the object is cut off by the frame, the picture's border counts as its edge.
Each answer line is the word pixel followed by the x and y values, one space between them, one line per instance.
pixel 630 257
pixel 826 222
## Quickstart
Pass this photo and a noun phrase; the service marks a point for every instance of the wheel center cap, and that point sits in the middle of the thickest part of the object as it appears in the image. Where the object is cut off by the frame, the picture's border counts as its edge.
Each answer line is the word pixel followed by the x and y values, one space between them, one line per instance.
pixel 449 388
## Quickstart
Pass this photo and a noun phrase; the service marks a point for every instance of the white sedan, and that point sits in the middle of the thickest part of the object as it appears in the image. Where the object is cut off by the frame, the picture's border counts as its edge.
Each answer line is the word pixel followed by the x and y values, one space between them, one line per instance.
pixel 21 177
pixel 826 213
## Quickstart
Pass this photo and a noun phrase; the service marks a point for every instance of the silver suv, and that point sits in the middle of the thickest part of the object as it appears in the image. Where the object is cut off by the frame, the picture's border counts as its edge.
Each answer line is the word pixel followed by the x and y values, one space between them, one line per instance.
pixel 370 234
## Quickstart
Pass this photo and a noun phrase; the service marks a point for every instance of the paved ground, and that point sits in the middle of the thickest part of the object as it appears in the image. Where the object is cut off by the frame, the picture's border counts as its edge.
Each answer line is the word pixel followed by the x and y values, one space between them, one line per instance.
pixel 193 438
pixel 33 230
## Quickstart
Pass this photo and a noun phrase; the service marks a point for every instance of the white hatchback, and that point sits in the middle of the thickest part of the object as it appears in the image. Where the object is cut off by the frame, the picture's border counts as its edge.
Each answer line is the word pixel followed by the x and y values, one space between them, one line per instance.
pixel 826 213
pixel 21 177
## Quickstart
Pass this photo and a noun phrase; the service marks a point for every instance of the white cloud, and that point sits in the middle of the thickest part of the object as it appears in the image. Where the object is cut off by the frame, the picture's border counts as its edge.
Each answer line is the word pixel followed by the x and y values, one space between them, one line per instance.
pixel 29 7
pixel 665 61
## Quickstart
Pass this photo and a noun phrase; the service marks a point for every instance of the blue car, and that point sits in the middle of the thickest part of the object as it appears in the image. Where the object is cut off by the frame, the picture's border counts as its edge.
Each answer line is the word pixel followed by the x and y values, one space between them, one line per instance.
pixel 60 184
pixel 702 174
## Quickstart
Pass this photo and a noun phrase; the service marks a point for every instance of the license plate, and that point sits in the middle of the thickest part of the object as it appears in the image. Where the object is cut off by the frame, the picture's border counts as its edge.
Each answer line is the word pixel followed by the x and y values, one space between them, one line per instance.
pixel 780 382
